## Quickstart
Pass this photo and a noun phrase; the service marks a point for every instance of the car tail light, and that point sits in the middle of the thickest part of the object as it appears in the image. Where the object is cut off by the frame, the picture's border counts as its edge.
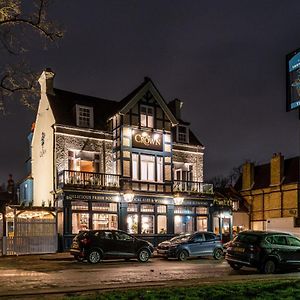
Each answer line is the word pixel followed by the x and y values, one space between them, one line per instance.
pixel 85 241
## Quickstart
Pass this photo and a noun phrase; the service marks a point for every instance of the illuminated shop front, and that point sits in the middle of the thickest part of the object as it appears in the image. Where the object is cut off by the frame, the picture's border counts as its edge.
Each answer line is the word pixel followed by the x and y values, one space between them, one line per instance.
pixel 150 217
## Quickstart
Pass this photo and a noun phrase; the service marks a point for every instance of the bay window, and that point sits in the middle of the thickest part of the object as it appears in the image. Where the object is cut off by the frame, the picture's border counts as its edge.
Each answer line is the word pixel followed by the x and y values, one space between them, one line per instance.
pixel 147 167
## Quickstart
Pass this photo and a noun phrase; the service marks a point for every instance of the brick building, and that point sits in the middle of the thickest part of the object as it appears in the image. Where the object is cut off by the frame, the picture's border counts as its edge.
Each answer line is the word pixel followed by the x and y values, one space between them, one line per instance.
pixel 132 164
pixel 272 193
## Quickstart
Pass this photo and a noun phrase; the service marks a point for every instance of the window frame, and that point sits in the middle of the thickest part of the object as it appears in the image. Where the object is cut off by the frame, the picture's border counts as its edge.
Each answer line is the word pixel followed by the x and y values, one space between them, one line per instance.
pixel 147 115
pixel 91 116
pixel 136 167
pixel 187 138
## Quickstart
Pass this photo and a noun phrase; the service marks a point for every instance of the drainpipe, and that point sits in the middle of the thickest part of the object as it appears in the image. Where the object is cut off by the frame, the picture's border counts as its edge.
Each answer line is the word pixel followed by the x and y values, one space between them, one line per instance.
pixel 54 162
pixel 281 201
pixel 251 210
pixel 263 208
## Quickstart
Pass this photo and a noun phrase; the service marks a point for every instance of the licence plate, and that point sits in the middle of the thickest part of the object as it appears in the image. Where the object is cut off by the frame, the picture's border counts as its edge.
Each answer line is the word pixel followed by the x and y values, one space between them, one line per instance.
pixel 239 249
pixel 162 251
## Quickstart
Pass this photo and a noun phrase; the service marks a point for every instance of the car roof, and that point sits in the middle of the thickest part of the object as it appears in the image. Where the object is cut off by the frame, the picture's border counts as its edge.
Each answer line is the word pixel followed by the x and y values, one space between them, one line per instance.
pixel 261 232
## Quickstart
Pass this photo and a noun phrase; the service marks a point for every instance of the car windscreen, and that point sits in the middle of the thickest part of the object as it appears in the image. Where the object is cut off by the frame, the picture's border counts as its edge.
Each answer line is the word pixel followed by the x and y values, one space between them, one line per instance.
pixel 180 237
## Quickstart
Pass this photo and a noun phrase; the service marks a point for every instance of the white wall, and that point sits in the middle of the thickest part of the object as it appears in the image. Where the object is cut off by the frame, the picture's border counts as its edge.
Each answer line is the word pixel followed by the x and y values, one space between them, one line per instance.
pixel 42 155
pixel 283 225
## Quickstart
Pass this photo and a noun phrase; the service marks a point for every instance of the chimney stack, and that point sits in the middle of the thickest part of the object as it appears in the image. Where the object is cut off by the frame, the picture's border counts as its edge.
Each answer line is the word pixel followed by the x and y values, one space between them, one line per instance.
pixel 175 106
pixel 248 175
pixel 46 81
pixel 276 169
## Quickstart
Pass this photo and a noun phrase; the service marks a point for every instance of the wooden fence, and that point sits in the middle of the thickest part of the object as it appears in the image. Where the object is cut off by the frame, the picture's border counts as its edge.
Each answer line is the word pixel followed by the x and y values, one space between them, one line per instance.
pixel 31 236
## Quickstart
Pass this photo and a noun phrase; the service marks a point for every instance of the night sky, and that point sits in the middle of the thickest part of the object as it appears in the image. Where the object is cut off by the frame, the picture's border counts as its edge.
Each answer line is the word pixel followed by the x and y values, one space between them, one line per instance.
pixel 224 59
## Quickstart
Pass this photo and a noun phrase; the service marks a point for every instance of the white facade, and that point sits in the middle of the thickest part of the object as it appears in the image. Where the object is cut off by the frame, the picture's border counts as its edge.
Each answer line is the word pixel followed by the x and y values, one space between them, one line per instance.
pixel 42 149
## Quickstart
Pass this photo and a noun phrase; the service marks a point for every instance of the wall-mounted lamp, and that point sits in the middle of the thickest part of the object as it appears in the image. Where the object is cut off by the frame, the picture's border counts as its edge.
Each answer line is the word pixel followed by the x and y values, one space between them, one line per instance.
pixel 128 197
pixel 178 200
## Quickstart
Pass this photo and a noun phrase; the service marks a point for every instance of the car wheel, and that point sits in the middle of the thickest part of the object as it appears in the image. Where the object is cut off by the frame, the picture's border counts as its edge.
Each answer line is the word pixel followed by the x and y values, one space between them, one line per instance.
pixel 183 255
pixel 143 255
pixel 94 257
pixel 269 267
pixel 218 254
pixel 235 266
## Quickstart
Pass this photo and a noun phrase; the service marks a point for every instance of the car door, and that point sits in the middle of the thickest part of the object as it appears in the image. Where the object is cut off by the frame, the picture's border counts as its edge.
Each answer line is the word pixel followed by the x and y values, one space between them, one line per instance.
pixel 195 244
pixel 280 247
pixel 210 243
pixel 294 256
pixel 125 244
pixel 105 241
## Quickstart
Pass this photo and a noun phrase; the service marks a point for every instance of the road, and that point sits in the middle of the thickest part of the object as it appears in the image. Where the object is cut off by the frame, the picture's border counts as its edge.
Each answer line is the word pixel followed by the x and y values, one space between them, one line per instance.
pixel 39 274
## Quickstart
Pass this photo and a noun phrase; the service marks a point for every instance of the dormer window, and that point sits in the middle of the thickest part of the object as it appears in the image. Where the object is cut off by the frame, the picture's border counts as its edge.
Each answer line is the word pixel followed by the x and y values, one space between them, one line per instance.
pixel 84 116
pixel 147 114
pixel 182 134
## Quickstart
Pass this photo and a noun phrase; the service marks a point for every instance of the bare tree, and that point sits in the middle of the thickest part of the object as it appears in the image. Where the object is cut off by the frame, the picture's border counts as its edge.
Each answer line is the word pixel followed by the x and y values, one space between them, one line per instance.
pixel 19 20
pixel 226 181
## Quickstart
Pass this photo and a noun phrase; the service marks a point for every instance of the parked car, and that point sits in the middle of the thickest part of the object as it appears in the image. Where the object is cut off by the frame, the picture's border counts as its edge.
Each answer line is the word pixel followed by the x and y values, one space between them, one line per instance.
pixel 96 245
pixel 266 251
pixel 192 245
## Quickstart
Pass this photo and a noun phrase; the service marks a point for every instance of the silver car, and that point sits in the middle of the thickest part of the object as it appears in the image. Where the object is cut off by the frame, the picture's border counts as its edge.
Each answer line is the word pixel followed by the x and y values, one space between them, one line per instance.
pixel 201 243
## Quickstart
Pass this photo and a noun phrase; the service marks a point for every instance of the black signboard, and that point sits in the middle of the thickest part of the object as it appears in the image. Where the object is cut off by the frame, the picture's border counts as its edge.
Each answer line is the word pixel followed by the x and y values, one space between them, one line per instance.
pixel 293 80
pixel 147 140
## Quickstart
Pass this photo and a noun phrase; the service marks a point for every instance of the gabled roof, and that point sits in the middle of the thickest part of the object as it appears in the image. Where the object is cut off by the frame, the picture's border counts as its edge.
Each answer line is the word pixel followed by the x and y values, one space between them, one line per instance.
pixel 129 101
pixel 262 174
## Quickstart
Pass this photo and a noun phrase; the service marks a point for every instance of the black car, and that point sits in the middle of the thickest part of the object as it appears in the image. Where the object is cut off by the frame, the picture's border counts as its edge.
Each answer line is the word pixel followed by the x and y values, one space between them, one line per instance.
pixel 192 245
pixel 266 251
pixel 96 245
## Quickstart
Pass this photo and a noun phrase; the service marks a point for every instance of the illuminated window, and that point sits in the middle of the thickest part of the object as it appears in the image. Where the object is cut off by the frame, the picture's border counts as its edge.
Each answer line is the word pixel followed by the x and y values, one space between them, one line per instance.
pixel 83 161
pixel 105 221
pixel 132 223
pixel 159 168
pixel 84 116
pixel 202 223
pixel 147 208
pixel 147 167
pixel 182 134
pixel 144 168
pixel 183 224
pixel 79 205
pixel 162 224
pixel 147 224
pixel 147 116
pixel 80 221
pixel 161 209
pixel 104 206
pixel 201 210
pixel 135 164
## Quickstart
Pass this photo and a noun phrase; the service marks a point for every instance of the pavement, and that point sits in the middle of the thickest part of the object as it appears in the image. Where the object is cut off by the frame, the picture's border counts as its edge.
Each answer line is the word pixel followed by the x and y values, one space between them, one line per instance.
pixel 54 275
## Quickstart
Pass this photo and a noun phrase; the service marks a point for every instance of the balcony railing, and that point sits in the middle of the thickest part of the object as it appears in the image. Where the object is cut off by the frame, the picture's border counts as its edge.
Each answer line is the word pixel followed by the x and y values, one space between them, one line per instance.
pixel 112 181
pixel 147 186
pixel 88 179
pixel 192 187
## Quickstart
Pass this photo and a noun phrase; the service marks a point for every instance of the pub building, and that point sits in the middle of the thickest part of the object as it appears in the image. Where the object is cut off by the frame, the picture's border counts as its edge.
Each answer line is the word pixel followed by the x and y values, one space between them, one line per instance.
pixel 133 164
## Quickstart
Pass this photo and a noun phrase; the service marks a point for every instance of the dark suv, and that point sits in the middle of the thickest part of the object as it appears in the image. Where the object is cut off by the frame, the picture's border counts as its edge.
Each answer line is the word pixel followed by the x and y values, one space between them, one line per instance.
pixel 96 245
pixel 266 251
pixel 192 245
